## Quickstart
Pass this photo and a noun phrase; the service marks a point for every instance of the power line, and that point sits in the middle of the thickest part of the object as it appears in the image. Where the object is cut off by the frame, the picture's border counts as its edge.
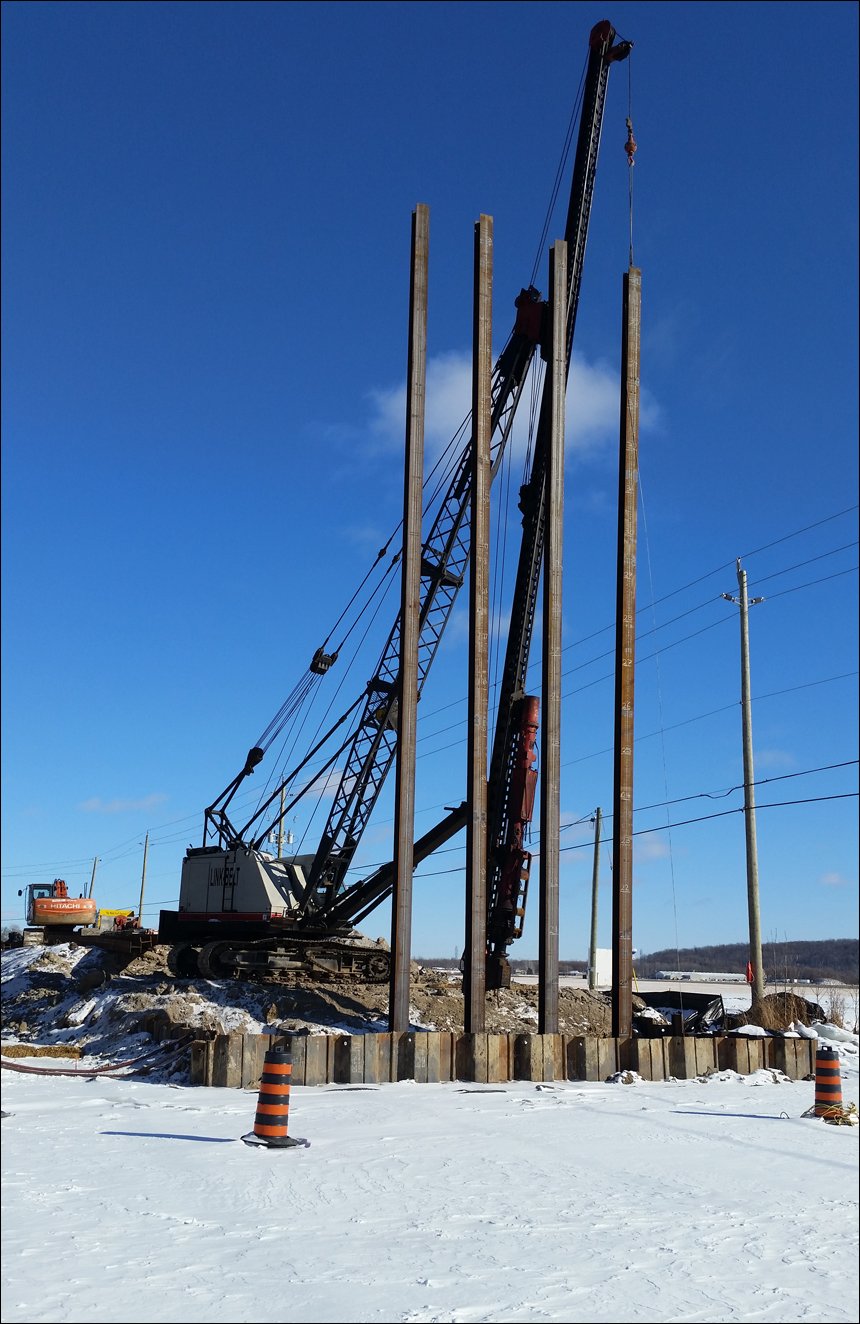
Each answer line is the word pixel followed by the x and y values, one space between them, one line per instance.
pixel 811 582
pixel 815 799
pixel 641 832
pixel 691 584
pixel 796 589
pixel 799 564
pixel 660 804
pixel 713 711
pixel 709 601
pixel 110 856
pixel 23 870
pixel 778 804
pixel 788 536
pixel 719 795
pixel 791 689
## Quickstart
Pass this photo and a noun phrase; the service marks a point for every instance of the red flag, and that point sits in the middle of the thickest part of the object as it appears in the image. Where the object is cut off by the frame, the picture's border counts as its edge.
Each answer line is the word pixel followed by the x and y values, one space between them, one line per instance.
pixel 749 972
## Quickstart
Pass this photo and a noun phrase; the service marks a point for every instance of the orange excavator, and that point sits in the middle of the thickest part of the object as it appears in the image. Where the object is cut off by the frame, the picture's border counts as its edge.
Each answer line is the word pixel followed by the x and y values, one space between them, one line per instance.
pixel 51 910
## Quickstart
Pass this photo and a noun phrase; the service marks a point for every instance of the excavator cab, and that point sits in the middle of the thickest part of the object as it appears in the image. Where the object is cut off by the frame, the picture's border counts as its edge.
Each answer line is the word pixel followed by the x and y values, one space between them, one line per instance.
pixel 43 892
pixel 37 892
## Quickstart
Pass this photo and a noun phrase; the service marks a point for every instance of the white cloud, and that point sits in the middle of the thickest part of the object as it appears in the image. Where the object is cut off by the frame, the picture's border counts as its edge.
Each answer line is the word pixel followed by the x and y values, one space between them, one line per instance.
pixel 774 758
pixel 652 848
pixel 834 880
pixel 457 629
pixel 364 535
pixel 592 406
pixel 97 806
pixel 449 399
pixel 576 830
pixel 326 784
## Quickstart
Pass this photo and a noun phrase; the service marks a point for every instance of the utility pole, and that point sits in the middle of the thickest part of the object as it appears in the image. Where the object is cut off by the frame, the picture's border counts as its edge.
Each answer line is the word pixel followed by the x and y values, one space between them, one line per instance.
pixel 93 879
pixel 550 796
pixel 756 959
pixel 625 662
pixel 143 880
pixel 410 605
pixel 281 823
pixel 595 884
pixel 475 972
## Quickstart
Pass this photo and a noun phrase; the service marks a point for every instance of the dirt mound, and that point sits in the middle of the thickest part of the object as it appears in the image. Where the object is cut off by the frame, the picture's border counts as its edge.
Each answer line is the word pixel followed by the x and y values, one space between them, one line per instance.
pixel 776 1011
pixel 436 1002
pixel 153 962
pixel 42 1050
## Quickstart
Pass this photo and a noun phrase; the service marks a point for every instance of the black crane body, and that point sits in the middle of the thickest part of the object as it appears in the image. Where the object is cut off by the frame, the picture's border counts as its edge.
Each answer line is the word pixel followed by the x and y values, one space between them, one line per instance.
pixel 241 911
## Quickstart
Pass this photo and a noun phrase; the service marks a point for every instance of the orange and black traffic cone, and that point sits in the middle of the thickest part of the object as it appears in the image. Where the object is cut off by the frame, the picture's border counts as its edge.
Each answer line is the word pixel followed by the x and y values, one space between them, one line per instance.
pixel 828 1084
pixel 273 1104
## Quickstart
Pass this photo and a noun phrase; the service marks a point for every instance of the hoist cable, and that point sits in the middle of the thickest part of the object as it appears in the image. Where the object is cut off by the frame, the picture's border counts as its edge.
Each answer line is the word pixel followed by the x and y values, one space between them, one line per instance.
pixel 559 174
pixel 288 708
pixel 448 459
pixel 295 772
pixel 630 143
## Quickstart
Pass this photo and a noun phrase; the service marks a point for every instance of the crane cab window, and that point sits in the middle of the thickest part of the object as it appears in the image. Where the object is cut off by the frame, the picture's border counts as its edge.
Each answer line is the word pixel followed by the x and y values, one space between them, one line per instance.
pixel 39 892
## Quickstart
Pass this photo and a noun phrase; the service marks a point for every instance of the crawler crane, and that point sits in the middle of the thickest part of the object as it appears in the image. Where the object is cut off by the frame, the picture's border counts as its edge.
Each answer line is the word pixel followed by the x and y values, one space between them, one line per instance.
pixel 243 911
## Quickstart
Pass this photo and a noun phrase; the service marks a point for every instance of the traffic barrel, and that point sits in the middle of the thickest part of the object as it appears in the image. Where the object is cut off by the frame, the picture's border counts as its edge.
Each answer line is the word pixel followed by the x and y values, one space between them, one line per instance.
pixel 828 1084
pixel 273 1104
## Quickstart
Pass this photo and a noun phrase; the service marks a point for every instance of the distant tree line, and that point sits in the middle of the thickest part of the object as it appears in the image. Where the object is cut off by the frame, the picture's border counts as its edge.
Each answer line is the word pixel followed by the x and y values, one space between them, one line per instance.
pixel 833 958
pixel 529 966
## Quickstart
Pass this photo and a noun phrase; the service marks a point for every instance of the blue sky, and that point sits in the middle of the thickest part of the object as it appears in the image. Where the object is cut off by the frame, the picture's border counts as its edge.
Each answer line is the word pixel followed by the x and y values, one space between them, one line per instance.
pixel 206 276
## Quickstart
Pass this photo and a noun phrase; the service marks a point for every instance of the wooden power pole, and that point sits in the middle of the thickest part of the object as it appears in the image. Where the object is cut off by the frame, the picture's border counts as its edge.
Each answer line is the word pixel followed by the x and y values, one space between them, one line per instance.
pixel 745 602
pixel 281 823
pixel 756 960
pixel 550 807
pixel 625 662
pixel 595 888
pixel 143 880
pixel 475 972
pixel 410 603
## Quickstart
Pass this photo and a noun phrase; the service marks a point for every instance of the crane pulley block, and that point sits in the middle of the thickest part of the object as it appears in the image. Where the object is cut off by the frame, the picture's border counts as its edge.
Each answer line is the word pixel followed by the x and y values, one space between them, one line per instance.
pixel 321 662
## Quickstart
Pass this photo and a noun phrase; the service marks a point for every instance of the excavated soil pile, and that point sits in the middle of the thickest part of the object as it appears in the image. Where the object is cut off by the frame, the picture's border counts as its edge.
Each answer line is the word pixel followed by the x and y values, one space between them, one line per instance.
pixel 777 1011
pixel 436 1003
pixel 43 1050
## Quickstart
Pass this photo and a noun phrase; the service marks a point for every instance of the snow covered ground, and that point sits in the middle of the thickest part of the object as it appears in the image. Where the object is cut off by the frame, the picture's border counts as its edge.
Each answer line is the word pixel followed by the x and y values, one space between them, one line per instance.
pixel 678 1201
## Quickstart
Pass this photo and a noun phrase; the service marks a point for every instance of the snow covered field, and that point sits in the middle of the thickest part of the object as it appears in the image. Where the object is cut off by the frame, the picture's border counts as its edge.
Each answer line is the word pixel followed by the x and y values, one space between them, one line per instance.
pixel 678 1201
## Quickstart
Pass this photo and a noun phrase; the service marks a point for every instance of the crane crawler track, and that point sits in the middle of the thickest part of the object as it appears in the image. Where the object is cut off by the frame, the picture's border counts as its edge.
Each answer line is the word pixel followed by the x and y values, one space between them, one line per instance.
pixel 326 959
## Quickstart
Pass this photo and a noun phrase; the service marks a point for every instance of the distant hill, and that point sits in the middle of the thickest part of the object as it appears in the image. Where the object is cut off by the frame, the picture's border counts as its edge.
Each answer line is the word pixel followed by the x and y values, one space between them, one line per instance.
pixel 834 958
pixel 527 966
